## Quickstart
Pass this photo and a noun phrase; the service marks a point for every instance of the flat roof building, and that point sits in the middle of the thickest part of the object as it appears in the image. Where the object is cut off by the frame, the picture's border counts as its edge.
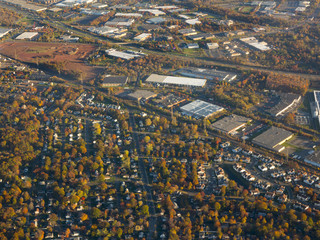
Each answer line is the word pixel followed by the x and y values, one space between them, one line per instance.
pixel 124 55
pixel 112 81
pixel 156 20
pixel 212 46
pixel 120 22
pixel 286 101
pixel 199 108
pixel 168 101
pixel 155 12
pixel 230 123
pixel 142 37
pixel 130 15
pixel 4 31
pixel 188 31
pixel 313 159
pixel 179 81
pixel 27 35
pixel 316 106
pixel 254 43
pixel 273 138
pixel 209 74
pixel 141 94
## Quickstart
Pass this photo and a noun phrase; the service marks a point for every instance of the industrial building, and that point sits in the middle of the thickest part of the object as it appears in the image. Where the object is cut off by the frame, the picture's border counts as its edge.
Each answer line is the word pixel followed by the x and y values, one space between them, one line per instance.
pixel 316 106
pixel 156 20
pixel 200 109
pixel 273 138
pixel 209 74
pixel 313 159
pixel 124 55
pixel 286 101
pixel 129 15
pixel 27 35
pixel 113 81
pixel 168 101
pixel 230 123
pixel 105 30
pixel 4 31
pixel 179 81
pixel 187 31
pixel 201 36
pixel 212 46
pixel 141 94
pixel 255 44
pixel 155 12
pixel 120 22
pixel 142 37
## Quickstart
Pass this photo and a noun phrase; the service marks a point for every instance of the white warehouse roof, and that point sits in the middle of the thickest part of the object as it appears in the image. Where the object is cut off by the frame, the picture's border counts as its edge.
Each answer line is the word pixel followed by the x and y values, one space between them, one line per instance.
pixel 201 108
pixel 185 81
pixel 27 35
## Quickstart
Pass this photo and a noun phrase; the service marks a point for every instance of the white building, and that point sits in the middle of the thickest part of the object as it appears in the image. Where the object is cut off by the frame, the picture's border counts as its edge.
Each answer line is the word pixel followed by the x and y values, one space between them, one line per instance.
pixel 27 35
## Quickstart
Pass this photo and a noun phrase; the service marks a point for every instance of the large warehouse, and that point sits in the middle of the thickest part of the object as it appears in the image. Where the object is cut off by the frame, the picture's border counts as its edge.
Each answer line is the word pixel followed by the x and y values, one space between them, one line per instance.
pixel 230 123
pixel 273 138
pixel 4 31
pixel 210 74
pixel 316 105
pixel 179 81
pixel 27 35
pixel 200 109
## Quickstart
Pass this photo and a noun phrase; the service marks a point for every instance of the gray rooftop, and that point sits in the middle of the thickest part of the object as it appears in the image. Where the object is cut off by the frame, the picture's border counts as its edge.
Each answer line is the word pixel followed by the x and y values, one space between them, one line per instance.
pixel 285 99
pixel 272 137
pixel 230 123
pixel 115 79
pixel 138 94
pixel 210 74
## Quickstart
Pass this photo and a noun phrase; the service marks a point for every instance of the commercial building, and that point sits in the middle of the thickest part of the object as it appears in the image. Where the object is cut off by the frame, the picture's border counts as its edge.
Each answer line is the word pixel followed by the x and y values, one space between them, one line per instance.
pixel 212 46
pixel 168 101
pixel 193 21
pixel 200 109
pixel 27 35
pixel 316 106
pixel 142 37
pixel 230 123
pixel 104 30
pixel 209 74
pixel 72 3
pixel 155 12
pixel 201 36
pixel 255 44
pixel 188 31
pixel 179 81
pixel 120 22
pixel 141 94
pixel 4 31
pixel 273 138
pixel 113 81
pixel 129 15
pixel 156 20
pixel 286 101
pixel 124 55
pixel 313 159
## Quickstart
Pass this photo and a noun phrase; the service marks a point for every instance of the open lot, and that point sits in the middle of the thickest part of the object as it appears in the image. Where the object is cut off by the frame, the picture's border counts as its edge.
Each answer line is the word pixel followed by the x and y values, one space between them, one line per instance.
pixel 71 56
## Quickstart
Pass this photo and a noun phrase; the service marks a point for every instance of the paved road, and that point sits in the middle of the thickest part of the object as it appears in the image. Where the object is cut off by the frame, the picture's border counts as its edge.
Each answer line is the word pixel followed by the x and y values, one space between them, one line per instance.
pixel 146 186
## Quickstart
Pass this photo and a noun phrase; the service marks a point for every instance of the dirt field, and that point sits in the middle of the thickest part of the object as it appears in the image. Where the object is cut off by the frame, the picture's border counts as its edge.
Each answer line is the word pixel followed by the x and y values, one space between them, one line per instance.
pixel 70 54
